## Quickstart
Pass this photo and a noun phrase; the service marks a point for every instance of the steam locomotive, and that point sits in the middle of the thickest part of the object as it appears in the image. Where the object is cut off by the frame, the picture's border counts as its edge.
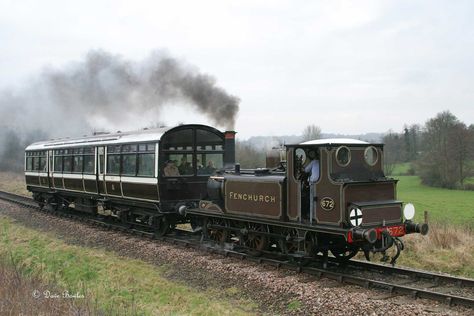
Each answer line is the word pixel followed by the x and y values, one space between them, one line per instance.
pixel 156 179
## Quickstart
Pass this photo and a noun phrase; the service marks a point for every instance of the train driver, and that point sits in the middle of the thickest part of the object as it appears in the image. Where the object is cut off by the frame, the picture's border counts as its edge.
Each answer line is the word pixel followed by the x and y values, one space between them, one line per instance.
pixel 313 169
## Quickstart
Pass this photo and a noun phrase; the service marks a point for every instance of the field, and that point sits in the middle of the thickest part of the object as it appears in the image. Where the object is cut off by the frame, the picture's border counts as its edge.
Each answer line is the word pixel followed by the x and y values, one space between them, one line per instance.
pixel 443 205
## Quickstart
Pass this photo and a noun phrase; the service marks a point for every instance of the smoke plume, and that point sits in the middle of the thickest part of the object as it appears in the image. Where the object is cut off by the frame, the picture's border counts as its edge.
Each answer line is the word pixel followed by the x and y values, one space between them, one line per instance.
pixel 110 89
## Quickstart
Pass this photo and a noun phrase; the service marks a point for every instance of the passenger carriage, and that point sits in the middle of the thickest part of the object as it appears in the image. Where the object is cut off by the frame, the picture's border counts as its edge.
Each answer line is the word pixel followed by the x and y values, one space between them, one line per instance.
pixel 122 174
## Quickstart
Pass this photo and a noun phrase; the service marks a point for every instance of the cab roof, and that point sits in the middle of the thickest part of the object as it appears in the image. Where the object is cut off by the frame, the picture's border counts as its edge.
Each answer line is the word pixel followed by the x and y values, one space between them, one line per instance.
pixel 334 142
pixel 330 141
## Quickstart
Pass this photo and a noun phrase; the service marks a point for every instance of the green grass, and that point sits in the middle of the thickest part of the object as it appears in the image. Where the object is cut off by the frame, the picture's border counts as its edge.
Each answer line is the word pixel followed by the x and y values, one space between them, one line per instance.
pixel 443 205
pixel 401 169
pixel 116 285
pixel 294 305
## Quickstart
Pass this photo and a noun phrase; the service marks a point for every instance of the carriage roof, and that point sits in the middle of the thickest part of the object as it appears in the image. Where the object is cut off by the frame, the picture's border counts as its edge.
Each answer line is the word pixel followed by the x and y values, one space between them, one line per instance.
pixel 104 139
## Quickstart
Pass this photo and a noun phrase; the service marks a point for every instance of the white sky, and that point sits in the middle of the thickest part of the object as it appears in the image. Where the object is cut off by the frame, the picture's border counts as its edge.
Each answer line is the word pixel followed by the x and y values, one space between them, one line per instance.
pixel 349 67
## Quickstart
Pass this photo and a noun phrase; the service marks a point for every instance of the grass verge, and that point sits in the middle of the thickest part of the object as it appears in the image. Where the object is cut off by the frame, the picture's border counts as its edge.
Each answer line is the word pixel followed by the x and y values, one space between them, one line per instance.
pixel 13 183
pixel 25 296
pixel 114 284
pixel 446 248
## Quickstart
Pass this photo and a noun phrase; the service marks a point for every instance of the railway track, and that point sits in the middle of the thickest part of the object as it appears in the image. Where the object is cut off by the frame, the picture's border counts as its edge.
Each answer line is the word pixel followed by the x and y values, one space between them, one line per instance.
pixel 394 280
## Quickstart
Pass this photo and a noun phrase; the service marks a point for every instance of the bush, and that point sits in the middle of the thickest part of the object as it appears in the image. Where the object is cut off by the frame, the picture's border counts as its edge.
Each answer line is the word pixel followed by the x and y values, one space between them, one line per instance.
pixel 469 187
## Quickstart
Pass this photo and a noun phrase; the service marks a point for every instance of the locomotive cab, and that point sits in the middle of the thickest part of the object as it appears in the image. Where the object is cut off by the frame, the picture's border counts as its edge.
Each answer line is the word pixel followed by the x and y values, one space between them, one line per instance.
pixel 351 192
pixel 350 175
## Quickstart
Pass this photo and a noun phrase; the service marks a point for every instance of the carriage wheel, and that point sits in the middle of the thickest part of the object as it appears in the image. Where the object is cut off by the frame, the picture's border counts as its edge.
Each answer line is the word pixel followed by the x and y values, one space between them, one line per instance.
pixel 217 234
pixel 311 244
pixel 162 226
pixel 343 255
pixel 256 241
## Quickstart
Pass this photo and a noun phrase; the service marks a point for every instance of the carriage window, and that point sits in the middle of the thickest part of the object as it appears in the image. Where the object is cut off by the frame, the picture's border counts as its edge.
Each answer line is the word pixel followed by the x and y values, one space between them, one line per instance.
pixel 150 147
pixel 178 165
pixel 29 163
pixel 207 164
pixel 185 165
pixel 146 165
pixel 371 155
pixel 89 164
pixel 206 140
pixel 58 163
pixel 179 140
pixel 77 166
pixel 67 161
pixel 42 164
pixel 146 160
pixel 129 164
pixel 35 163
pixel 129 148
pixel 113 164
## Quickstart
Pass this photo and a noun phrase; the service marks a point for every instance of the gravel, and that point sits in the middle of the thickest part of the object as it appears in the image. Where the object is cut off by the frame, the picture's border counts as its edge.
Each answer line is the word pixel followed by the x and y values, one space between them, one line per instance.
pixel 275 291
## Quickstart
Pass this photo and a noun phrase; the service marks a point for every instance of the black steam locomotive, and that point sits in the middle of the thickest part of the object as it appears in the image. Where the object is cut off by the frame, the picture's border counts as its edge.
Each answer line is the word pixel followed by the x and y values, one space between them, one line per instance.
pixel 156 179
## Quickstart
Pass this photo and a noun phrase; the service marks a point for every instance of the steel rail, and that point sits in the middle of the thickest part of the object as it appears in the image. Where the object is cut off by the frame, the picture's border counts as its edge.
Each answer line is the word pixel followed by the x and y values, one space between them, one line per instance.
pixel 190 240
pixel 430 276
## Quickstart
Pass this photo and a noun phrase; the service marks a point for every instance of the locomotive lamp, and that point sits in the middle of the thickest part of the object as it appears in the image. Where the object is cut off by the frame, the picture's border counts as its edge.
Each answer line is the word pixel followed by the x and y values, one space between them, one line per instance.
pixel 409 211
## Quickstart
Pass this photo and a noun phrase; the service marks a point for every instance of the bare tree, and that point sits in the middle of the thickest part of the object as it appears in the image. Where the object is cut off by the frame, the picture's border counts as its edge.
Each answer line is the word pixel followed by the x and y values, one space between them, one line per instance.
pixel 392 151
pixel 311 132
pixel 248 156
pixel 446 159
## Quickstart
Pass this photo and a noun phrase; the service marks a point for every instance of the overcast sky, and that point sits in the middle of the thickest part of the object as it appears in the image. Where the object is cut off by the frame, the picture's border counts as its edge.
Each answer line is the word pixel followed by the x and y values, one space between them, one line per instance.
pixel 347 66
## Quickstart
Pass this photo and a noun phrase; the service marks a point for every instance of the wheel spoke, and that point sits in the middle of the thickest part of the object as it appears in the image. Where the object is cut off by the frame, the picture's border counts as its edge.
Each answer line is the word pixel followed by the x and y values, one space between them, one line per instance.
pixel 255 240
pixel 217 234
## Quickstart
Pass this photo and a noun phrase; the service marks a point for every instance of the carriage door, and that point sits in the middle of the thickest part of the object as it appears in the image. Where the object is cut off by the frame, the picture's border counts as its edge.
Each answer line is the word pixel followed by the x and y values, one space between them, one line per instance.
pixel 101 170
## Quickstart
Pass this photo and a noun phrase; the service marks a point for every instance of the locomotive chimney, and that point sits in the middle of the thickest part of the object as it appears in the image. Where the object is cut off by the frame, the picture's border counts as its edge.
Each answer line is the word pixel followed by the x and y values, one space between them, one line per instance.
pixel 229 147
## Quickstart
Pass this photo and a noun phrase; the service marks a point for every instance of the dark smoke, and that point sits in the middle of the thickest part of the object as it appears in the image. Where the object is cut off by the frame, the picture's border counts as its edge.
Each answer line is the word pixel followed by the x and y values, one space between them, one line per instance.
pixel 109 86
pixel 105 88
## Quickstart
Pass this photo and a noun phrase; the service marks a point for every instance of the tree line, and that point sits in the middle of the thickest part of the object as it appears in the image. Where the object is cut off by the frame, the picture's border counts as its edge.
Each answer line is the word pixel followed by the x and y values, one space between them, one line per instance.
pixel 441 151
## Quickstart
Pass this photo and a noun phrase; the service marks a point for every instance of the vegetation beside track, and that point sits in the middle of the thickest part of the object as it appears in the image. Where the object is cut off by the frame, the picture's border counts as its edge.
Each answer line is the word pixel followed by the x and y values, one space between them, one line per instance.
pixel 20 296
pixel 446 248
pixel 14 183
pixel 109 283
